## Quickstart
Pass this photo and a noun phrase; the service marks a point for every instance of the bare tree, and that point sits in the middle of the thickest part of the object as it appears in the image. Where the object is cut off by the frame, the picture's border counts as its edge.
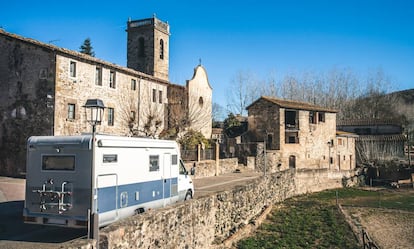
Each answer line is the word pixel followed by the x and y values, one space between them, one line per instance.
pixel 127 113
pixel 151 114
pixel 243 91
pixel 218 113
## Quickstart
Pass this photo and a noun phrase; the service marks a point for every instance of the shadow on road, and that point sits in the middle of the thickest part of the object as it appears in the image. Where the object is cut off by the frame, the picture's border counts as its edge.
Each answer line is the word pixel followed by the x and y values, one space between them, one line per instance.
pixel 12 227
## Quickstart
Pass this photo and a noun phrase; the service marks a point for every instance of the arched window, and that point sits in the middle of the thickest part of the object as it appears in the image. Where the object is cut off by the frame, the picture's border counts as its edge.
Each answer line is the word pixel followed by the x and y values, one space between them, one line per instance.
pixel 201 102
pixel 162 49
pixel 141 47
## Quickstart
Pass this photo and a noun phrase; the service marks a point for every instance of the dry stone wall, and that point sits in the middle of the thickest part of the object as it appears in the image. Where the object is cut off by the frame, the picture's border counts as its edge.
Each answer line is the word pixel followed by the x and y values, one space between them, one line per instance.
pixel 207 221
pixel 208 167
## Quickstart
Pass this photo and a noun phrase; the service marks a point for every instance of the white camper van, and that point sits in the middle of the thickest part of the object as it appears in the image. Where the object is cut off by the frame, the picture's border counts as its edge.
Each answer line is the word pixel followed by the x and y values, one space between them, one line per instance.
pixel 70 176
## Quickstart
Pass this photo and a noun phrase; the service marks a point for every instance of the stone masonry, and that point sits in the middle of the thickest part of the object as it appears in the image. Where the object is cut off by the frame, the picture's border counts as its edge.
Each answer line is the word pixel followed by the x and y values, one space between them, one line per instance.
pixel 208 221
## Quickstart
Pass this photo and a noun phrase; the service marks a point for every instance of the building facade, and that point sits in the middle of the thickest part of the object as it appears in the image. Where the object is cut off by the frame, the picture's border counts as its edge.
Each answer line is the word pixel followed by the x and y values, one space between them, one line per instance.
pixel 299 135
pixel 43 88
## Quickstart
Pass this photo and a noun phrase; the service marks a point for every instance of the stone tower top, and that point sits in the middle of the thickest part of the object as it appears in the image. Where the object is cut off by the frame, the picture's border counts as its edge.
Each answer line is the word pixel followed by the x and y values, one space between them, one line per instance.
pixel 151 22
pixel 148 46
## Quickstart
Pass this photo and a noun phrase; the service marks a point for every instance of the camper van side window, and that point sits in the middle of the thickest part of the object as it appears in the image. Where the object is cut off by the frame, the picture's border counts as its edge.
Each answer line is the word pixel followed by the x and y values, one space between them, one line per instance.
pixel 58 163
pixel 154 163
pixel 174 159
pixel 112 158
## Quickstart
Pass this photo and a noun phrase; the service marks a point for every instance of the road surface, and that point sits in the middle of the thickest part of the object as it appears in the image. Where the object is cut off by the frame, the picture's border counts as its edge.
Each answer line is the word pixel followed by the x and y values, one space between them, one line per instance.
pixel 15 234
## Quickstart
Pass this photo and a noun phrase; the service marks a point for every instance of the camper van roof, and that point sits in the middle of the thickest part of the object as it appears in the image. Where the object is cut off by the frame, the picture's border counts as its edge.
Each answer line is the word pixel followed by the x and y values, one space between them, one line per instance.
pixel 103 141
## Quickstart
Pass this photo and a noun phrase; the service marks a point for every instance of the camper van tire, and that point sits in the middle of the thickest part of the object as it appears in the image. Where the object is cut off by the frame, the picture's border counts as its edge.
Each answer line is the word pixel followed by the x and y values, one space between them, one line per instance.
pixel 188 195
pixel 139 210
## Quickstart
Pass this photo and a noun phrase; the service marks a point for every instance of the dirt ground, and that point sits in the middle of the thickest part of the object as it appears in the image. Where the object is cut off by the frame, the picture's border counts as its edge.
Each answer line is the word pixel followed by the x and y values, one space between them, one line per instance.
pixel 386 227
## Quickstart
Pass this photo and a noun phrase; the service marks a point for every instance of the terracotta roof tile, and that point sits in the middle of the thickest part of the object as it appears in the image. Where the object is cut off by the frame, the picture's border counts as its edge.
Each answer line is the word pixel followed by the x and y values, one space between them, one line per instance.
pixel 291 104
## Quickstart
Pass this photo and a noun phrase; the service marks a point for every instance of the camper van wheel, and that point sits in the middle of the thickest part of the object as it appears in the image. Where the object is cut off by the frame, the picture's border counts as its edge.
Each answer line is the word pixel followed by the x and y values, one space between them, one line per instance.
pixel 139 210
pixel 188 195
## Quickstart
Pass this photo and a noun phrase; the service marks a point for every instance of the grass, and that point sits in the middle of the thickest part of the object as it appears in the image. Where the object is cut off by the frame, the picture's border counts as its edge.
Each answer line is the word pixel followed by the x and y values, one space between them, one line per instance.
pixel 313 221
pixel 386 198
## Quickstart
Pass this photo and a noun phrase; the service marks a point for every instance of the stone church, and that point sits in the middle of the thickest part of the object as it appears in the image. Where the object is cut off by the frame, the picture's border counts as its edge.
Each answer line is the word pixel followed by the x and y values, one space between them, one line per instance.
pixel 43 88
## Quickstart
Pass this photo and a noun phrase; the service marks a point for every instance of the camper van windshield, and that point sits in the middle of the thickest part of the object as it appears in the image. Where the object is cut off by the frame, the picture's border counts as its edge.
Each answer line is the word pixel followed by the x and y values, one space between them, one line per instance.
pixel 183 170
pixel 58 163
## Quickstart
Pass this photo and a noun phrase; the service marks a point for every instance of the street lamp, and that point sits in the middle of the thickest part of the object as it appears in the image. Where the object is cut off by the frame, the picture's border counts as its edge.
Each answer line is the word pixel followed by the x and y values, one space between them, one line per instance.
pixel 94 112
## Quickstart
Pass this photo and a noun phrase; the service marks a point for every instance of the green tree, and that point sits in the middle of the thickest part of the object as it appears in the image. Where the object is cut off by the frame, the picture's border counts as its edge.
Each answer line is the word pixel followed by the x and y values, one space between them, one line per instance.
pixel 86 47
pixel 192 138
pixel 232 125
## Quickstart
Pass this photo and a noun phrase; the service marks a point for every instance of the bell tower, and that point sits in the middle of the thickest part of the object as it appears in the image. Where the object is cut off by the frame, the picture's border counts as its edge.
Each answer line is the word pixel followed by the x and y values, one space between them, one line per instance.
pixel 148 46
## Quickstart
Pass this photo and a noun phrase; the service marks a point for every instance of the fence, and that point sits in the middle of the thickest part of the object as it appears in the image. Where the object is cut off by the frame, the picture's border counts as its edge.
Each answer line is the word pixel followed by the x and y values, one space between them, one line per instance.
pixel 240 150
pixel 198 154
pixel 364 209
pixel 367 241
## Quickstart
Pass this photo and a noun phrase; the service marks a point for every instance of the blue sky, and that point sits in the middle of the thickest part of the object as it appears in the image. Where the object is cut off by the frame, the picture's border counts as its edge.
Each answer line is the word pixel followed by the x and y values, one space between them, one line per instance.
pixel 262 37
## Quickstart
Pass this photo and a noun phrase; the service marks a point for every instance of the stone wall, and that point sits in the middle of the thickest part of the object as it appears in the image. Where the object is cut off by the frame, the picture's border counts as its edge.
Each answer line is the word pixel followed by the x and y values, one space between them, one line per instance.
pixel 26 99
pixel 208 221
pixel 208 167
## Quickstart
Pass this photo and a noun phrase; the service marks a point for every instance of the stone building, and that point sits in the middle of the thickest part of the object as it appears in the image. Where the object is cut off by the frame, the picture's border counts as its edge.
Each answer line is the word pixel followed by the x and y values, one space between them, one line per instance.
pixel 43 88
pixel 299 135
pixel 195 110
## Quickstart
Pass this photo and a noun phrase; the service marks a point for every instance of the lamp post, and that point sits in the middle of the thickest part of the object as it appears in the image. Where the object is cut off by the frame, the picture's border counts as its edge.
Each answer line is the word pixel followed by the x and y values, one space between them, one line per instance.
pixel 94 112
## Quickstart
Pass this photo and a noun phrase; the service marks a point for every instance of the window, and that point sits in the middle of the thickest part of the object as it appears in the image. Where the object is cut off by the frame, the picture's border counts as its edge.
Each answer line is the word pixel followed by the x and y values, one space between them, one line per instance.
pixel 321 117
pixel 71 111
pixel 339 141
pixel 141 47
pixel 154 95
pixel 154 163
pixel 110 158
pixel 201 102
pixel 133 84
pixel 292 162
pixel 291 137
pixel 98 76
pixel 58 163
pixel 43 73
pixel 269 141
pixel 291 120
pixel 112 79
pixel 72 69
pixel 160 97
pixel 312 117
pixel 110 116
pixel 132 115
pixel 162 49
pixel 174 159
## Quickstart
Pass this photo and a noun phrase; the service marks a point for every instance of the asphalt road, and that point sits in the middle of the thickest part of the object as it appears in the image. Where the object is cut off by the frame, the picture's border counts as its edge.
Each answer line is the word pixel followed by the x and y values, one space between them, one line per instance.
pixel 16 234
